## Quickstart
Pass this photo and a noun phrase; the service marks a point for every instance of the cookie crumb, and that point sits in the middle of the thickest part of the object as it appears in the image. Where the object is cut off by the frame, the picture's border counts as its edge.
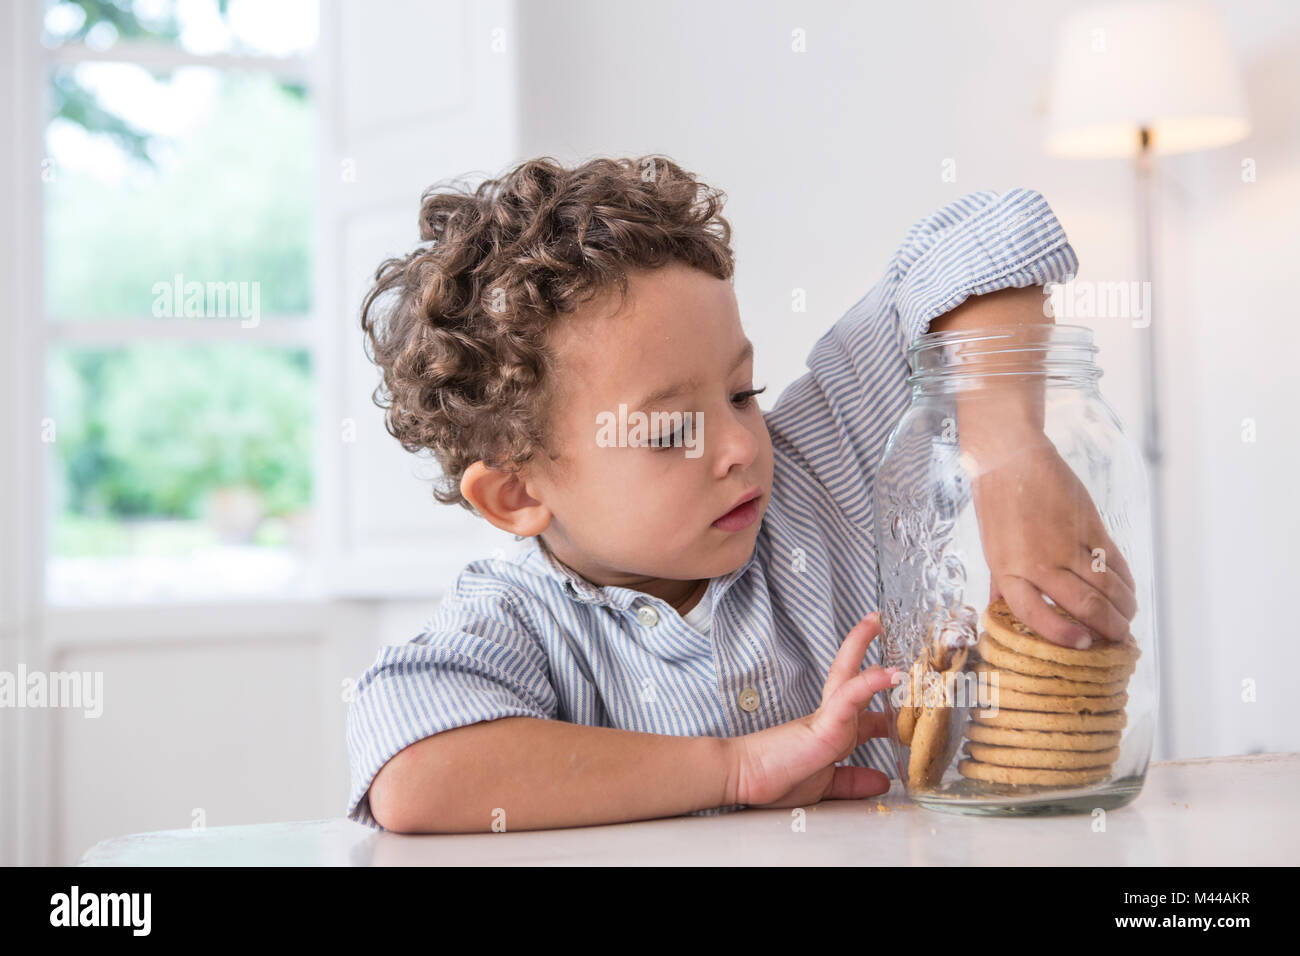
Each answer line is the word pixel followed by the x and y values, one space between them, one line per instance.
pixel 881 808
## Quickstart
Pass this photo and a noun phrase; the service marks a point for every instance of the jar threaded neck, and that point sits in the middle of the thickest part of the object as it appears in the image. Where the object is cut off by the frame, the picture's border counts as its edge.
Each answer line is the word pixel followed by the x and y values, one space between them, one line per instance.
pixel 954 359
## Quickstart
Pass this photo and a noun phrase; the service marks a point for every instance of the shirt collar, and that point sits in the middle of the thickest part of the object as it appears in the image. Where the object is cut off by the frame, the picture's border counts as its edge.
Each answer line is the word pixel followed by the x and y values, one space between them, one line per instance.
pixel 579 589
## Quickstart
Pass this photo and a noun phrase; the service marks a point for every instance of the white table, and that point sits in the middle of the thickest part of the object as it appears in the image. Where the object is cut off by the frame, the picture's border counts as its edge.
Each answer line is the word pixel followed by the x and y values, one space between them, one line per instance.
pixel 1215 811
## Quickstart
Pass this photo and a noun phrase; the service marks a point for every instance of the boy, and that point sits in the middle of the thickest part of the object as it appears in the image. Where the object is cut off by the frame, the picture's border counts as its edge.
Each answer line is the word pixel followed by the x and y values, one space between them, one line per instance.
pixel 670 640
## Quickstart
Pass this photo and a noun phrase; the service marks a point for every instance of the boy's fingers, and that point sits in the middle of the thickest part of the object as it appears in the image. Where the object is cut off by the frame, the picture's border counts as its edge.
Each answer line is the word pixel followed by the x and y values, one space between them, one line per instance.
pixel 1088 604
pixel 848 659
pixel 855 695
pixel 854 783
pixel 1109 578
pixel 872 723
pixel 1070 592
pixel 1115 562
pixel 1028 605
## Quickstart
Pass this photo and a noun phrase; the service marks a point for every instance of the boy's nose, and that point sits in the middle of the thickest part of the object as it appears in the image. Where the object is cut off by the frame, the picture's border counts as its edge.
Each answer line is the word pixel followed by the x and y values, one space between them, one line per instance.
pixel 737 445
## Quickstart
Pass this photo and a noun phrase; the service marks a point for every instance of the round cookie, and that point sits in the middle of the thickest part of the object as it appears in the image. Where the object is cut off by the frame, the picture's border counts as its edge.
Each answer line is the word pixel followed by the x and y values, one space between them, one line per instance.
pixel 1000 621
pixel 1042 739
pixel 1040 720
pixel 927 759
pixel 1018 700
pixel 909 711
pixel 1041 759
pixel 906 725
pixel 932 745
pixel 1004 657
pixel 1010 680
pixel 1018 776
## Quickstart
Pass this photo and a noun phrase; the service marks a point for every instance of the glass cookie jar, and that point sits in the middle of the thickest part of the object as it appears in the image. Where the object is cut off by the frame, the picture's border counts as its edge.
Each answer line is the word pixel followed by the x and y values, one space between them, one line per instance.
pixel 1009 480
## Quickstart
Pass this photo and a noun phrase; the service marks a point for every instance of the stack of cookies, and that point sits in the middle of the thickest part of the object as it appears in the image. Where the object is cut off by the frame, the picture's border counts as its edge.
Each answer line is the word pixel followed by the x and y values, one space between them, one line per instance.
pixel 1060 710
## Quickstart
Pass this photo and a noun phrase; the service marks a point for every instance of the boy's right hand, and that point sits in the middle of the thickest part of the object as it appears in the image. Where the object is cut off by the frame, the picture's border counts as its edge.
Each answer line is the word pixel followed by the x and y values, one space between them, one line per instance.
pixel 793 764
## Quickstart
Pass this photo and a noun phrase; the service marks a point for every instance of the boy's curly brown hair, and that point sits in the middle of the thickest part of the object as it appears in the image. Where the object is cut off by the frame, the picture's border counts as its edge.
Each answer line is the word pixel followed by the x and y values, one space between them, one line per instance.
pixel 460 327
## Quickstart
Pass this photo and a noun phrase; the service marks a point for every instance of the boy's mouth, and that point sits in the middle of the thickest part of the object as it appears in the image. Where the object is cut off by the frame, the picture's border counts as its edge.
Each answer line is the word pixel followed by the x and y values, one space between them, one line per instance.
pixel 743 514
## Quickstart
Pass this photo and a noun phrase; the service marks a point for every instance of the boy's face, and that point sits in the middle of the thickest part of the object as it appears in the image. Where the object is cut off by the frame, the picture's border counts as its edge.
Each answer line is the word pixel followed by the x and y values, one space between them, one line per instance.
pixel 637 515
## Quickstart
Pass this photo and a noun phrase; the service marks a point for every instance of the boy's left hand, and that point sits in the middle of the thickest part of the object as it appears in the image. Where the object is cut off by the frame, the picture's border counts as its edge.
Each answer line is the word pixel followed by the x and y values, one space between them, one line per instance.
pixel 1040 531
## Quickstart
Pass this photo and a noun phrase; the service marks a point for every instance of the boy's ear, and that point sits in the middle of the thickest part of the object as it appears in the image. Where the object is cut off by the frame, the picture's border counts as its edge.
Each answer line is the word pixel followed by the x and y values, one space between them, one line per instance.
pixel 501 498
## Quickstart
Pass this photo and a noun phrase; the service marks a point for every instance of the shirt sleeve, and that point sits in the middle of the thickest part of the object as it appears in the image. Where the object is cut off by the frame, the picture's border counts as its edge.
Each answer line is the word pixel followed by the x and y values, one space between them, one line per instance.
pixel 475 659
pixel 832 422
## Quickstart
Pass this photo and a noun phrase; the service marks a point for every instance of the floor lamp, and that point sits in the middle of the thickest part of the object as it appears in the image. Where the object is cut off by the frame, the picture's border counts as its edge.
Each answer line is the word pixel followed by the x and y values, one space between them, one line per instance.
pixel 1137 80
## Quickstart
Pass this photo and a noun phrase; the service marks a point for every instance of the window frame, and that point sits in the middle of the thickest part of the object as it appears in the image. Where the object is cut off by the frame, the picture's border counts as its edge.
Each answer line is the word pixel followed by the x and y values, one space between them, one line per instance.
pixel 305 332
pixel 474 125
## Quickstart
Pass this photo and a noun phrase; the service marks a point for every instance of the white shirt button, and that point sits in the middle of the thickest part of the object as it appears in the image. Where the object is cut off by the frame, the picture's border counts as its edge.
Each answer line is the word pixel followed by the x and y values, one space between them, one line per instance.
pixel 647 615
pixel 749 700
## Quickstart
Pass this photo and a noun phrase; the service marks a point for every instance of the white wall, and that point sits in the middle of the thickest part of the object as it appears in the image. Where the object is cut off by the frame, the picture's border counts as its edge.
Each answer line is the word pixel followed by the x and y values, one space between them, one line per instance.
pixel 1243 337
pixel 827 156
pixel 211 716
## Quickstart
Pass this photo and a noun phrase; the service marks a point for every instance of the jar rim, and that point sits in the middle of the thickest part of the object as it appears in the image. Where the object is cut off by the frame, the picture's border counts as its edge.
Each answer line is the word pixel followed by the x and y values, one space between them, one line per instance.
pixel 1062 352
pixel 1057 334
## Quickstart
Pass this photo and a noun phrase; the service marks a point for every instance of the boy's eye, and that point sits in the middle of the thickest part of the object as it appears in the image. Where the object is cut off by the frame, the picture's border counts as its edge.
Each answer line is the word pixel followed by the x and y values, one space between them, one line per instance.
pixel 742 399
pixel 675 440
pixel 666 441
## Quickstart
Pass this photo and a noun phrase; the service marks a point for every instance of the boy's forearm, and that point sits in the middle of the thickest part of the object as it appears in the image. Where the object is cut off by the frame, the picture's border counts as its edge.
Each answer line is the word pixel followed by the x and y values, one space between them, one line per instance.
pixel 1005 409
pixel 528 774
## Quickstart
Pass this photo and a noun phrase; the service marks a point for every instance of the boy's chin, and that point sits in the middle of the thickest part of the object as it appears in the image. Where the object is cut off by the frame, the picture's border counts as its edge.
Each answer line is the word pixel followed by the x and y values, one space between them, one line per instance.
pixel 731 555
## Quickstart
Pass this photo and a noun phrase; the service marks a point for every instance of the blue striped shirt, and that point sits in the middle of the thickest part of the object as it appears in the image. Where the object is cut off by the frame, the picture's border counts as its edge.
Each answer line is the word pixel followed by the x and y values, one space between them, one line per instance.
pixel 526 636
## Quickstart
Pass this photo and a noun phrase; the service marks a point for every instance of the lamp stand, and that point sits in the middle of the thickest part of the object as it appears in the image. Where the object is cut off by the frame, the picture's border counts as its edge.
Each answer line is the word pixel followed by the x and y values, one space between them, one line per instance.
pixel 1151 448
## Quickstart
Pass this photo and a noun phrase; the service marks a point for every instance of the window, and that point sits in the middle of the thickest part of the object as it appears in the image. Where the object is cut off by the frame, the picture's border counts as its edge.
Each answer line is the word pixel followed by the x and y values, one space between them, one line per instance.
pixel 179 221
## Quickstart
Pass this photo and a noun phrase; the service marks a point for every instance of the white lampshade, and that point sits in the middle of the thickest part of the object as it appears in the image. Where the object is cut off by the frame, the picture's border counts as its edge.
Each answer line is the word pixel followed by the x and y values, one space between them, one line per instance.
pixel 1165 66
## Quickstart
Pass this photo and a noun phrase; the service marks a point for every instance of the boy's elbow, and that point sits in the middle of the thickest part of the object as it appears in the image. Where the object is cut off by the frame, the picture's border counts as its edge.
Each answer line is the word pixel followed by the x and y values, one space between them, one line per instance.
pixel 385 809
pixel 393 800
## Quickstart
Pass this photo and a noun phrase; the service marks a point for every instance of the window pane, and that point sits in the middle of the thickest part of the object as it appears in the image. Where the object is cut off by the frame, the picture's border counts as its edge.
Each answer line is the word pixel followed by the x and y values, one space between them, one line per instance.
pixel 188 194
pixel 180 470
pixel 258 27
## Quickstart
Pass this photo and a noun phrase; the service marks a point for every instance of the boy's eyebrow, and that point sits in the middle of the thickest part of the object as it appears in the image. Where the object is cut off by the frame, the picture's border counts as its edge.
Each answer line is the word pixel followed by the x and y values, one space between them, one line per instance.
pixel 672 391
